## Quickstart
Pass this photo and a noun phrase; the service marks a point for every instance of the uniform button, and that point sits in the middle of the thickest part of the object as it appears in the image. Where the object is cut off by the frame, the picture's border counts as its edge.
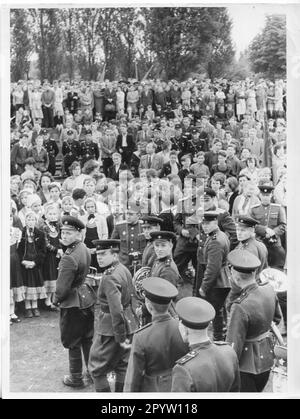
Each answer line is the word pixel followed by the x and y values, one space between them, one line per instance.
pixel 246 349
pixel 262 357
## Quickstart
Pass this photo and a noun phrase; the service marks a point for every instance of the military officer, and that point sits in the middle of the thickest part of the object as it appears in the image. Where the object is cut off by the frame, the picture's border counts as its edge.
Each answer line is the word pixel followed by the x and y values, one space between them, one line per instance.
pixel 251 316
pixel 208 367
pixel 271 226
pixel 76 318
pixel 130 234
pixel 70 151
pixel 52 150
pixel 115 320
pixel 214 286
pixel 245 229
pixel 89 150
pixel 150 223
pixel 156 346
pixel 179 141
pixel 196 144
pixel 164 265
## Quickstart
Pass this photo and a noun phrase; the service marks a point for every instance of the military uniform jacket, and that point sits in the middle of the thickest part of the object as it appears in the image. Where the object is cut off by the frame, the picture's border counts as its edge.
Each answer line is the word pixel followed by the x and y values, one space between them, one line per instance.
pixel 258 249
pixel 132 240
pixel 52 148
pixel 149 255
pixel 272 216
pixel 167 269
pixel 89 151
pixel 71 149
pixel 209 367
pixel 216 249
pixel 155 349
pixel 251 315
pixel 72 270
pixel 116 317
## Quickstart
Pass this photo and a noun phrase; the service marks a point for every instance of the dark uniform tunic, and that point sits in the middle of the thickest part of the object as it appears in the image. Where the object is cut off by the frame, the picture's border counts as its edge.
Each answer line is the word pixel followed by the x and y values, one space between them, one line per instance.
pixel 251 315
pixel 258 249
pixel 71 152
pixel 272 216
pixel 88 151
pixel 209 367
pixel 132 240
pixel 166 268
pixel 155 349
pixel 215 282
pixel 76 325
pixel 52 150
pixel 115 322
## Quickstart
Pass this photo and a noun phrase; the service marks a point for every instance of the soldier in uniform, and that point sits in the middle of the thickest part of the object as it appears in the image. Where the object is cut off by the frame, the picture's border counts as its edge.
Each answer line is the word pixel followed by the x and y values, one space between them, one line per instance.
pixel 52 150
pixel 164 265
pixel 196 144
pixel 251 315
pixel 156 346
pixel 179 142
pixel 115 320
pixel 76 319
pixel 150 223
pixel 208 367
pixel 245 229
pixel 271 226
pixel 130 234
pixel 70 151
pixel 214 286
pixel 89 150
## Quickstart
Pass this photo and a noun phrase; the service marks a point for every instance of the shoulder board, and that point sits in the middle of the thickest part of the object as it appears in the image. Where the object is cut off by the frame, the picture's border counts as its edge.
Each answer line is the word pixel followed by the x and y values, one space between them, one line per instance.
pixel 144 327
pixel 187 357
pixel 241 298
pixel 168 262
pixel 221 343
pixel 220 211
pixel 256 205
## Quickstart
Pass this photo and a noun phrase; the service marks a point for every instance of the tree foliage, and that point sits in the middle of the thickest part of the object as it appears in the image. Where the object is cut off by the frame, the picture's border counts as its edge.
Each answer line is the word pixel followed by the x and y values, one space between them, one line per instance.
pixel 268 50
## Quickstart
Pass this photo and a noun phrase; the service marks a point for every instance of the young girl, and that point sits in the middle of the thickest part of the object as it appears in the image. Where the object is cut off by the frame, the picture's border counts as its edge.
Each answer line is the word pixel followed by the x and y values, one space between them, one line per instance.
pixel 23 198
pixel 54 190
pixel 31 250
pixel 45 181
pixel 67 204
pixel 51 230
pixel 17 293
pixel 34 204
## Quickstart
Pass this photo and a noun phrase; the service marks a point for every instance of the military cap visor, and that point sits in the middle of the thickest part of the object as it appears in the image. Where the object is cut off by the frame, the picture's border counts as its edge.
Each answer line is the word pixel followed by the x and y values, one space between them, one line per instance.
pixel 266 189
pixel 210 216
pixel 106 244
pixel 159 290
pixel 162 235
pixel 209 193
pixel 195 312
pixel 246 221
pixel 243 261
pixel 44 131
pixel 71 223
pixel 151 220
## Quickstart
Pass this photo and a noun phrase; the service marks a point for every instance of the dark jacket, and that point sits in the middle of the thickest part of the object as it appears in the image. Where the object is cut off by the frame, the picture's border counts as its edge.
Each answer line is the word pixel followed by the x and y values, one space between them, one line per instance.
pixel 167 170
pixel 155 349
pixel 39 243
pixel 113 174
pixel 132 240
pixel 209 367
pixel 72 270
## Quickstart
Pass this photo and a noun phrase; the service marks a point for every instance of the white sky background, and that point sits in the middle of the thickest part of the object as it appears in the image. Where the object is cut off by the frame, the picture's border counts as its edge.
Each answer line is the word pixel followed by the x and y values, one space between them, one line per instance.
pixel 248 21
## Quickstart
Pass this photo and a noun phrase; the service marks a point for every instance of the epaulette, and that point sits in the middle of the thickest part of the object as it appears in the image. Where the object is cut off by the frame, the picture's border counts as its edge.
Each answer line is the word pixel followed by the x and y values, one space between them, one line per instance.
pixel 143 327
pixel 187 357
pixel 110 270
pixel 241 298
pixel 168 262
pixel 256 205
pixel 221 343
pixel 220 211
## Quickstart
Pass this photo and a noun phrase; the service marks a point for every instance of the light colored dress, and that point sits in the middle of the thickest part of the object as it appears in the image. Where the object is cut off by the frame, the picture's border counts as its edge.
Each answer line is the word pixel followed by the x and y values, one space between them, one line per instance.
pixel 35 105
pixel 58 107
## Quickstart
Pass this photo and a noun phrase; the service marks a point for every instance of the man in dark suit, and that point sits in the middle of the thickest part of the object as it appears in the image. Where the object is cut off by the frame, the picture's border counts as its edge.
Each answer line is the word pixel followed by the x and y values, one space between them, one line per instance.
pixel 114 170
pixel 76 320
pixel 151 160
pixel 172 167
pixel 125 144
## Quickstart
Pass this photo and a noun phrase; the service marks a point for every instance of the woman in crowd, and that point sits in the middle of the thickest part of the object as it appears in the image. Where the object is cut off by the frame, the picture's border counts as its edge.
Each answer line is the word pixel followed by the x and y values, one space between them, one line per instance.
pixel 17 291
pixel 45 180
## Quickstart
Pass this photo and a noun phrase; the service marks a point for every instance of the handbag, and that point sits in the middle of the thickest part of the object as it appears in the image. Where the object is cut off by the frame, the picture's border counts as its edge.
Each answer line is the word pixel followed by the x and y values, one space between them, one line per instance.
pixel 87 296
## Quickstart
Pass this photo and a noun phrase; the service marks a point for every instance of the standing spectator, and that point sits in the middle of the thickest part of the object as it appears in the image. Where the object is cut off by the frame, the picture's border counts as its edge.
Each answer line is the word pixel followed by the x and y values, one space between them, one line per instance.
pixel 98 93
pixel 17 291
pixel 244 202
pixel 52 150
pixel 58 105
pixel 19 153
pixel 255 145
pixel 108 148
pixel 48 101
pixel 70 151
pixel 114 170
pixel 35 104
pixel 125 144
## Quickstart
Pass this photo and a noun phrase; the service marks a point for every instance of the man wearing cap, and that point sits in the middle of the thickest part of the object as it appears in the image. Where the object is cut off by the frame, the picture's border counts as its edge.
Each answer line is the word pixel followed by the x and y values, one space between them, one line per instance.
pixel 115 320
pixel 70 151
pixel 89 150
pixel 213 284
pixel 130 234
pixel 156 346
pixel 252 312
pixel 208 367
pixel 164 265
pixel 150 223
pixel 196 144
pixel 52 150
pixel 179 142
pixel 76 318
pixel 271 225
pixel 245 229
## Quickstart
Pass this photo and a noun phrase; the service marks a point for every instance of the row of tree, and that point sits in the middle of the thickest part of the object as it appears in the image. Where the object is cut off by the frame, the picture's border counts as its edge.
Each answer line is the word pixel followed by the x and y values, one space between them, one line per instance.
pixel 124 42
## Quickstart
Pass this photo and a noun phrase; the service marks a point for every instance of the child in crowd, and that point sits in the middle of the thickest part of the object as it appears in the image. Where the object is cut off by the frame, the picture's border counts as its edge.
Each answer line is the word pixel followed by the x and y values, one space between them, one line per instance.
pixel 17 292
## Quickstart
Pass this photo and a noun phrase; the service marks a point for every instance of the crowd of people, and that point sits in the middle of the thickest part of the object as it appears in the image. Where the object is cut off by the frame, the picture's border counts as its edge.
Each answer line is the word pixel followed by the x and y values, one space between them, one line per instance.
pixel 168 176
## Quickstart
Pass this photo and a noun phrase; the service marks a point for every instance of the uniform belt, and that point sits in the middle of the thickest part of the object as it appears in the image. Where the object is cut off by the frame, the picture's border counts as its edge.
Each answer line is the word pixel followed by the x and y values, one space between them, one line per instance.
pixel 258 338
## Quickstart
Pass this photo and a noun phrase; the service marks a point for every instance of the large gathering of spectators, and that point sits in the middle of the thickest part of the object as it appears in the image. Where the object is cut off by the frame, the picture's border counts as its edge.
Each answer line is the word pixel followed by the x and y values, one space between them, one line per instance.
pixel 89 148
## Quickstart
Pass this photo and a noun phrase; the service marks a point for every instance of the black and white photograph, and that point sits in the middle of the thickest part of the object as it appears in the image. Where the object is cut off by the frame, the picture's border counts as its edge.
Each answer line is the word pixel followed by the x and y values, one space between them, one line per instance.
pixel 147 165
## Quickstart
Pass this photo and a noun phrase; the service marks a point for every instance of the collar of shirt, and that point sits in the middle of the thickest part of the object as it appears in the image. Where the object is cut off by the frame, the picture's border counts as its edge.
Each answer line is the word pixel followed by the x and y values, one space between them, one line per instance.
pixel 161 317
